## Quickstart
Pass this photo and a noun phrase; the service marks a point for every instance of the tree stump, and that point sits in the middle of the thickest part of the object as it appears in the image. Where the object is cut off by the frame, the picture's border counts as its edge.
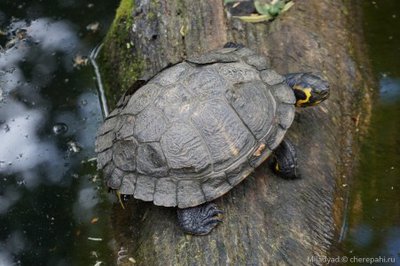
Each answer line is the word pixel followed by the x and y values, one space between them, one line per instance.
pixel 267 220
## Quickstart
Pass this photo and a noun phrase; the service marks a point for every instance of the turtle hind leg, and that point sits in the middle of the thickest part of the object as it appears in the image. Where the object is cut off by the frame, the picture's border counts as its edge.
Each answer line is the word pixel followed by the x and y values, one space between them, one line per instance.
pixel 284 160
pixel 199 220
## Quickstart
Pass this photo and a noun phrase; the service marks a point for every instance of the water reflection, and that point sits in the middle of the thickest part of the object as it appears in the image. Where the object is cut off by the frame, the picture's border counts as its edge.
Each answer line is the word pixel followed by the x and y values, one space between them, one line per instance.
pixel 51 200
pixel 8 199
pixel 363 235
pixel 389 89
pixel 14 244
pixel 83 207
pixel 25 112
pixel 22 150
pixel 374 211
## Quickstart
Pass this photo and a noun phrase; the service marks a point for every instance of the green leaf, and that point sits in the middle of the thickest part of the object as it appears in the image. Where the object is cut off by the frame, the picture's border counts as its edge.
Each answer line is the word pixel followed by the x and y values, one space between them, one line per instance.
pixel 262 9
pixel 273 9
pixel 276 8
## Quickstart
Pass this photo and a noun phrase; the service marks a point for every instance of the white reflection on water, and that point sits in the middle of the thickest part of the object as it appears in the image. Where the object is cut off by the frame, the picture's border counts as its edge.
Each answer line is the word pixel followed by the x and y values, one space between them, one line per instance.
pixel 8 199
pixel 89 110
pixel 46 192
pixel 55 36
pixel 83 208
pixel 389 89
pixel 10 76
pixel 6 258
pixel 393 242
pixel 363 235
pixel 21 148
pixel 14 244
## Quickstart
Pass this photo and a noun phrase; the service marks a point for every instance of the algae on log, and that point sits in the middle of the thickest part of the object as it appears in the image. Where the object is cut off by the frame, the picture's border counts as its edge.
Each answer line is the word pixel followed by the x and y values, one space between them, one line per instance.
pixel 267 219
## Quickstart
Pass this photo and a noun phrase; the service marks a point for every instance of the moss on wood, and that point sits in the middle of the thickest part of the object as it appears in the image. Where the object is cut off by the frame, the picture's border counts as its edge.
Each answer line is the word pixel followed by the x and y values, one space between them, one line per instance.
pixel 120 63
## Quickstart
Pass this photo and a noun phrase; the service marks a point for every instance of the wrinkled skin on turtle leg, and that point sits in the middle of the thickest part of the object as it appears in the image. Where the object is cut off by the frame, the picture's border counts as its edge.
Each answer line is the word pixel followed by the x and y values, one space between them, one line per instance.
pixel 284 160
pixel 199 220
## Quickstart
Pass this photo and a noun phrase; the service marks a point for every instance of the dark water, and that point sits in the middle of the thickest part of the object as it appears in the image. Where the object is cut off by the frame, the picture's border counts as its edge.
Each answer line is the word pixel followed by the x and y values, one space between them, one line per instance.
pixel 374 211
pixel 53 207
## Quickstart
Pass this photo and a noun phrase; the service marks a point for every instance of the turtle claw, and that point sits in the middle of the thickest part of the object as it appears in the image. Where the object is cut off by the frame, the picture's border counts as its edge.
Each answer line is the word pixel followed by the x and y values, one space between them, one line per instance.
pixel 199 220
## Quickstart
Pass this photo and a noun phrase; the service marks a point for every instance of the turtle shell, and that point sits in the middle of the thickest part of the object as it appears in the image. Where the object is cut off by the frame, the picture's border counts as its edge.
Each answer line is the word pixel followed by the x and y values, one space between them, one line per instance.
pixel 196 129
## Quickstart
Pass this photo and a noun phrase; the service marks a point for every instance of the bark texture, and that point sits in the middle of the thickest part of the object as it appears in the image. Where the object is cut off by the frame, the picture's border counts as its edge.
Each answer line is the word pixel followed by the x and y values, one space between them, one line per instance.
pixel 267 220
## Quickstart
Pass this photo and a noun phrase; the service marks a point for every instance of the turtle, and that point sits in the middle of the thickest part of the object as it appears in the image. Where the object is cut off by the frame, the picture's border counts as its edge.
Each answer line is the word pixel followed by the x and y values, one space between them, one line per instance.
pixel 198 128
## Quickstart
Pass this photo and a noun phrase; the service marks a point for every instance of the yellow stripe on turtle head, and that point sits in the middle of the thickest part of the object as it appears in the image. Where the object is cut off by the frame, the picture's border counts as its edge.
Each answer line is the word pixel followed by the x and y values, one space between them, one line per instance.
pixel 307 92
pixel 316 102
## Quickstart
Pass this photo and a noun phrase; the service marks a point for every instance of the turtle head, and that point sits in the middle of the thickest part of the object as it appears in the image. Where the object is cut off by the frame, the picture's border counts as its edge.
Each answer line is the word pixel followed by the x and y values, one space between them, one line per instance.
pixel 309 89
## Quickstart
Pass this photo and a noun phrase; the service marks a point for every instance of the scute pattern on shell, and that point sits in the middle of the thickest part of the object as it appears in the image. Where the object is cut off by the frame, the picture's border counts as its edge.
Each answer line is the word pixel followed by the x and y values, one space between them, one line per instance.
pixel 185 150
pixel 196 129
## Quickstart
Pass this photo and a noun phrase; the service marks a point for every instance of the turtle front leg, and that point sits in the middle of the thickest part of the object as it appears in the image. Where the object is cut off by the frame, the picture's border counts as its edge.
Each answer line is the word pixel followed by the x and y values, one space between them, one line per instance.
pixel 284 160
pixel 199 220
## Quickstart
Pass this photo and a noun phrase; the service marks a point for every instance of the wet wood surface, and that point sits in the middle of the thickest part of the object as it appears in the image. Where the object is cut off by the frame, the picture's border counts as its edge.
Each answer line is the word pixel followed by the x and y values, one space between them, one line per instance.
pixel 267 220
